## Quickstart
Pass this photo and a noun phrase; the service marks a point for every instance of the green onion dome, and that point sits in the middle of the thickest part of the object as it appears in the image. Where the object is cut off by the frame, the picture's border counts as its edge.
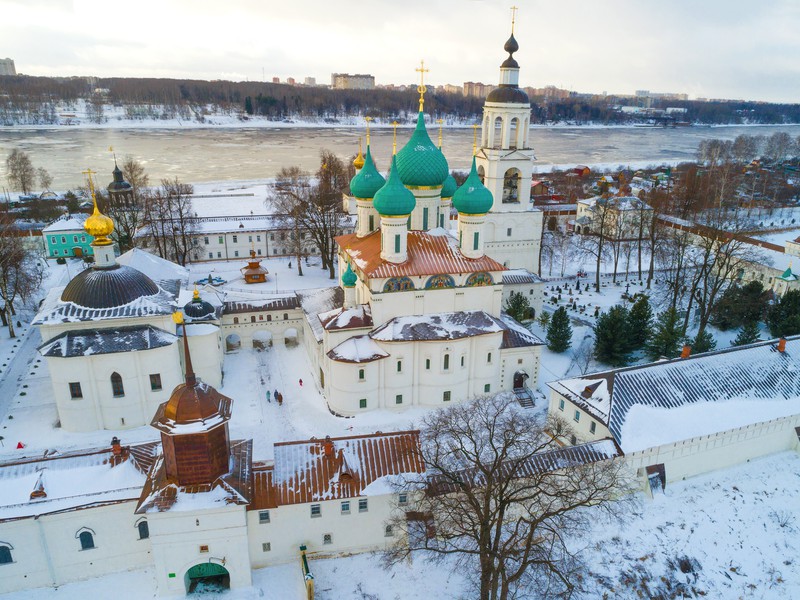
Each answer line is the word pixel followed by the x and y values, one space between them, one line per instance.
pixel 394 199
pixel 349 278
pixel 449 187
pixel 420 162
pixel 367 181
pixel 473 198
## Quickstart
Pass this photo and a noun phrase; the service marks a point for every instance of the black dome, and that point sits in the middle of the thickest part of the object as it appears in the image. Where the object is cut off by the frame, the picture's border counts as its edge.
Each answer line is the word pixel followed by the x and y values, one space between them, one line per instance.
pixel 198 309
pixel 510 63
pixel 511 45
pixel 508 94
pixel 119 184
pixel 108 288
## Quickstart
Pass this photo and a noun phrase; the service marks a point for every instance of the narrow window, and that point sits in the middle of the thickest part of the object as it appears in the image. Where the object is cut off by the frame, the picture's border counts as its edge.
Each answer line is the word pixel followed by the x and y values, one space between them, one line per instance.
pixel 210 255
pixel 52 240
pixel 205 240
pixel 372 222
pixel 327 538
pixel 250 238
pixel 316 511
pixel 462 361
pixel 83 238
pixel 55 252
pixel 87 540
pixel 428 364
pixel 74 239
pixel 116 385
pixel 486 388
pixel 235 239
pixel 345 507
pixel 269 318
pixel 402 498
pixel 362 403
pixel 63 240
pixel 446 362
pixel 259 251
pixel 388 531
pixel 219 254
pixel 5 555
pixel 399 366
pixel 561 404
pixel 475 238
pixel 75 390
pixel 285 316
pixel 263 517
pixel 363 505
pixel 397 243
pixel 235 320
pixel 398 399
pixel 155 382
pixel 489 357
pixel 361 375
pixel 253 319
pixel 221 241
pixel 266 547
pixel 236 253
pixel 577 416
pixel 508 232
pixel 144 530
pixel 425 218
pixel 592 427
pixel 446 396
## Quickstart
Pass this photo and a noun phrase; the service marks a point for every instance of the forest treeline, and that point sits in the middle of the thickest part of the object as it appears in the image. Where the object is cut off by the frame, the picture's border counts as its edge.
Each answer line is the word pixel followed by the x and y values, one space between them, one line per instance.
pixel 40 100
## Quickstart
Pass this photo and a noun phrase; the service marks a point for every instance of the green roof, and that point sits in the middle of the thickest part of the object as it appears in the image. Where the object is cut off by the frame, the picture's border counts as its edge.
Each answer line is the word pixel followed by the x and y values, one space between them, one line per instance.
pixel 788 275
pixel 473 198
pixel 368 180
pixel 420 162
pixel 394 199
pixel 449 187
pixel 349 278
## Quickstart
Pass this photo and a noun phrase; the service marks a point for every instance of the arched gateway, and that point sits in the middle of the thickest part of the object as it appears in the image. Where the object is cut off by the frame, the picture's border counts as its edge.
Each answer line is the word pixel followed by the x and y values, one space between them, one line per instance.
pixel 207 577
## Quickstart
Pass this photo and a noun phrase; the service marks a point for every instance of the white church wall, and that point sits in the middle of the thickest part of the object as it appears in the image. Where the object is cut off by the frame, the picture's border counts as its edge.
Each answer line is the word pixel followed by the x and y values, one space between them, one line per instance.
pixel 525 359
pixel 99 408
pixel 205 346
pixel 182 539
pixel 292 525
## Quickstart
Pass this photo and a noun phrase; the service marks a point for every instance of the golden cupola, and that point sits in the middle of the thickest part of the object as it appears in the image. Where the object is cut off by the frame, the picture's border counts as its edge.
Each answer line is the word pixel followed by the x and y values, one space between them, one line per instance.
pixel 98 225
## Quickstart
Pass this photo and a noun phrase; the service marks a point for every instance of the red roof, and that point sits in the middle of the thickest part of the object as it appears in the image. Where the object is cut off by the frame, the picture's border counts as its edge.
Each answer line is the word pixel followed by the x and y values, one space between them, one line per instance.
pixel 428 254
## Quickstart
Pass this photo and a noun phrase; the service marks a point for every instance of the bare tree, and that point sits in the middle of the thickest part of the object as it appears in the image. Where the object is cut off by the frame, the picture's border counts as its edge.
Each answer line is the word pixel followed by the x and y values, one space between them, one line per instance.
pixel 20 273
pixel 292 199
pixel 167 214
pixel 21 174
pixel 45 179
pixel 125 207
pixel 779 147
pixel 485 502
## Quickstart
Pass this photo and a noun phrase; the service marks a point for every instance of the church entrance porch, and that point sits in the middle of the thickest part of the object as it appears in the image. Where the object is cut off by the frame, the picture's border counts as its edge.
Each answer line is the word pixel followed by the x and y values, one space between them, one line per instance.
pixel 520 377
pixel 262 340
pixel 207 578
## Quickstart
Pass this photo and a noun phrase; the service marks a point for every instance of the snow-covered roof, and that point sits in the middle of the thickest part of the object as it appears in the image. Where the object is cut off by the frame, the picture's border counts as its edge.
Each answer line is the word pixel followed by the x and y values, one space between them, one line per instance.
pixel 520 276
pixel 669 401
pixel 257 305
pixel 515 335
pixel 317 301
pixel 358 317
pixel 357 349
pixel 72 480
pixel 617 202
pixel 67 223
pixel 155 267
pixel 303 473
pixel 438 326
pixel 86 342
pixel 53 310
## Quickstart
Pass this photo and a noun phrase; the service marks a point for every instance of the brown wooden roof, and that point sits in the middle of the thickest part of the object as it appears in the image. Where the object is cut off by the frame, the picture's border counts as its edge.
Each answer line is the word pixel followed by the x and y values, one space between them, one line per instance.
pixel 428 254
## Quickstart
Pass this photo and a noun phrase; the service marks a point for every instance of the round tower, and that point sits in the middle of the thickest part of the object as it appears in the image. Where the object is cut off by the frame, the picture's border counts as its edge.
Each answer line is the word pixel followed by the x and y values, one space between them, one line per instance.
pixel 395 203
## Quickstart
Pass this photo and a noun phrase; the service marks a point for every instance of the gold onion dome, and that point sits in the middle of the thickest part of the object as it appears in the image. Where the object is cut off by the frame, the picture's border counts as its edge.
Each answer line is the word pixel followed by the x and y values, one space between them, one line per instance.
pixel 99 226
pixel 358 162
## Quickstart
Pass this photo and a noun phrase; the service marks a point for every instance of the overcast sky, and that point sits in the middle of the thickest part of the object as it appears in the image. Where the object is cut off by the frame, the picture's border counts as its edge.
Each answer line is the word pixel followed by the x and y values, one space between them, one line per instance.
pixel 706 48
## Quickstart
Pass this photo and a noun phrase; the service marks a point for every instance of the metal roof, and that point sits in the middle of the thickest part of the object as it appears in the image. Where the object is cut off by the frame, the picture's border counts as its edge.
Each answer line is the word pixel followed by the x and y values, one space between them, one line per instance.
pixel 84 342
pixel 242 306
pixel 108 287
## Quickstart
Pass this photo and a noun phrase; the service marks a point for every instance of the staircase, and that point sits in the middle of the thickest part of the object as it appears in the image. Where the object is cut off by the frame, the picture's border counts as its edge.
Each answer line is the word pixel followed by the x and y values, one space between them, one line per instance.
pixel 524 397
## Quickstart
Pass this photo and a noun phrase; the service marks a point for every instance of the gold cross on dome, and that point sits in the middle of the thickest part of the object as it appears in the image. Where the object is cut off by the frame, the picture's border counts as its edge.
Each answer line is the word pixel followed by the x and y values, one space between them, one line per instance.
pixel 368 120
pixel 421 88
pixel 514 10
pixel 475 139
pixel 394 137
pixel 89 173
pixel 440 121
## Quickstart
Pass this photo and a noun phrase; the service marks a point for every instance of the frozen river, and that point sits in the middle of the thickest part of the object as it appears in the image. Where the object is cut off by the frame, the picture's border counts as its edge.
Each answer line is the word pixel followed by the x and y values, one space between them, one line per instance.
pixel 221 154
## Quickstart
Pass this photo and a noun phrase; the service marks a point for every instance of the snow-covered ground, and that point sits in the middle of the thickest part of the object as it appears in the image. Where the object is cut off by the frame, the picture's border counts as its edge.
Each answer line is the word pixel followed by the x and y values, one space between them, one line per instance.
pixel 730 534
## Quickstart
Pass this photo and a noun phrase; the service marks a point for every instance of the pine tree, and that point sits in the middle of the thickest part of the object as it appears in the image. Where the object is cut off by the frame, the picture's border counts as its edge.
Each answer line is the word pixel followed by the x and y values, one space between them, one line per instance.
pixel 559 333
pixel 784 317
pixel 612 337
pixel 640 322
pixel 749 334
pixel 703 342
pixel 518 306
pixel 667 336
pixel 544 319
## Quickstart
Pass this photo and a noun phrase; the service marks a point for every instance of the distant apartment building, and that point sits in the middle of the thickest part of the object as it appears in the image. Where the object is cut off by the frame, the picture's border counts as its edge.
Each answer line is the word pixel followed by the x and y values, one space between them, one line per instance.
pixel 310 81
pixel 276 80
pixel 477 89
pixel 291 81
pixel 345 81
pixel 7 66
pixel 550 92
pixel 452 89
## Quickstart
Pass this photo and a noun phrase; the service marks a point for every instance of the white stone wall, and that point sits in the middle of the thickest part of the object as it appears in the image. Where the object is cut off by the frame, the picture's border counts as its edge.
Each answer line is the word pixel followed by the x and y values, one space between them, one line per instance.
pixel 247 324
pixel 534 292
pixel 47 552
pixel 520 248
pixel 292 525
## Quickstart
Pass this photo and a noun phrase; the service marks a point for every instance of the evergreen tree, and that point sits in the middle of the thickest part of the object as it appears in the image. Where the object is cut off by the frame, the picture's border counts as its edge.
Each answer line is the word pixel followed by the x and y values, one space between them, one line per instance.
pixel 738 305
pixel 748 334
pixel 612 337
pixel 559 333
pixel 518 306
pixel 667 336
pixel 784 317
pixel 544 319
pixel 703 342
pixel 640 323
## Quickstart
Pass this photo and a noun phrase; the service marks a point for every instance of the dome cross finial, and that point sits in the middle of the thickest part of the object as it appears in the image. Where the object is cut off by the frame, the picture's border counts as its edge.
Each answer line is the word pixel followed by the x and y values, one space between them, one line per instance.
pixel 368 120
pixel 475 139
pixel 440 121
pixel 394 137
pixel 514 10
pixel 421 88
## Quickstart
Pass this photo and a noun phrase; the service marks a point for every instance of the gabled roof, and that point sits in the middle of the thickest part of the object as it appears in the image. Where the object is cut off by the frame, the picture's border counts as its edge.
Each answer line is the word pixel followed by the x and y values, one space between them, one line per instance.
pixel 302 472
pixel 159 494
pixel 438 326
pixel 665 402
pixel 67 223
pixel 357 349
pixel 85 342
pixel 72 480
pixel 156 268
pixel 516 335
pixel 317 301
pixel 431 252
pixel 337 319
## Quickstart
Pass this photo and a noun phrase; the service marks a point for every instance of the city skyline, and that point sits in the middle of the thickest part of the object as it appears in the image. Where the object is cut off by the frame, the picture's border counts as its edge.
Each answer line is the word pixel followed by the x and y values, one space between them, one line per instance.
pixel 710 50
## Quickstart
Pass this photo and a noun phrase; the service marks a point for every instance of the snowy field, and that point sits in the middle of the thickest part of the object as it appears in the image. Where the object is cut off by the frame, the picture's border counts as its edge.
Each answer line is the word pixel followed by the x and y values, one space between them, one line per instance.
pixel 732 534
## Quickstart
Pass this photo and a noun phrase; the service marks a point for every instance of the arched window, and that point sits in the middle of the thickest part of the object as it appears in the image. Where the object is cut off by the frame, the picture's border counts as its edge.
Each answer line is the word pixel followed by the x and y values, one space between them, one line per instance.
pixel 446 362
pixel 482 174
pixel 511 181
pixel 5 553
pixel 498 133
pixel 87 540
pixel 116 385
pixel 144 529
pixel 513 140
pixel 235 320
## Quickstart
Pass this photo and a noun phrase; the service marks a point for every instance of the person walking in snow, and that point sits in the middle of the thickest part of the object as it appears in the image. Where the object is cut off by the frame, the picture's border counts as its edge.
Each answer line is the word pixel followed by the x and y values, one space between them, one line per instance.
pixel 268 400
pixel 301 383
pixel 279 398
